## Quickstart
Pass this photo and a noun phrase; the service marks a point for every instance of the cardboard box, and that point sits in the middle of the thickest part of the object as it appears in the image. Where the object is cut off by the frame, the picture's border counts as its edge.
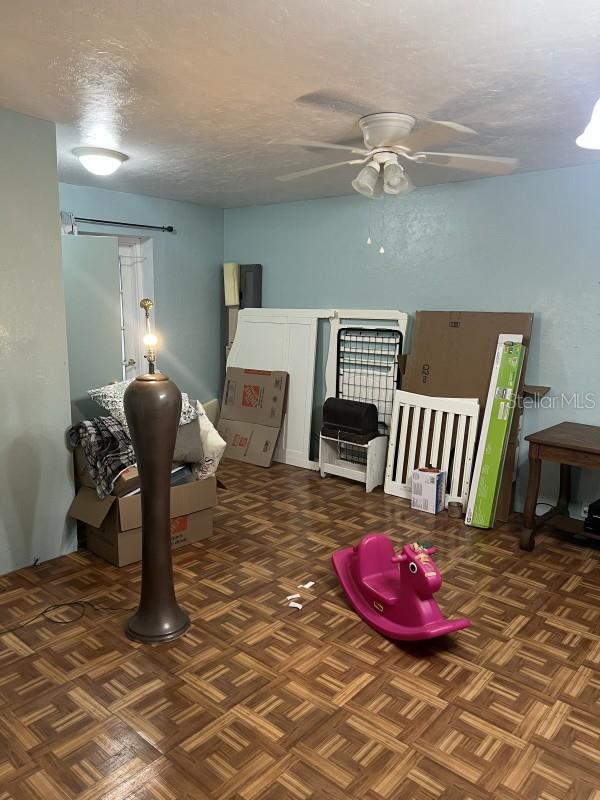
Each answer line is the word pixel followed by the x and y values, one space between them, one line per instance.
pixel 452 354
pixel 251 414
pixel 113 525
pixel 126 547
pixel 495 431
pixel 428 490
pixel 252 443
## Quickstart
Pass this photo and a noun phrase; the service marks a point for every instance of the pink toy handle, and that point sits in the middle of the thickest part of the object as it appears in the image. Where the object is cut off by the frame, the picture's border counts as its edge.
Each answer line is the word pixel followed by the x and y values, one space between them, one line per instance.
pixel 398 559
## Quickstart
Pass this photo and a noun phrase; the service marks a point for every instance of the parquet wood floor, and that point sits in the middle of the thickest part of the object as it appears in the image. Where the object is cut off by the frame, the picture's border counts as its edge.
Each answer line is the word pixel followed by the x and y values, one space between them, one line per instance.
pixel 263 702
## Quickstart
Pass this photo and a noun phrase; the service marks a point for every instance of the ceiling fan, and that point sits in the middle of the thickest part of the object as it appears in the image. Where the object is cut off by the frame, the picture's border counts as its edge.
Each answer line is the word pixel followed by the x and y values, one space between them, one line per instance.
pixel 392 140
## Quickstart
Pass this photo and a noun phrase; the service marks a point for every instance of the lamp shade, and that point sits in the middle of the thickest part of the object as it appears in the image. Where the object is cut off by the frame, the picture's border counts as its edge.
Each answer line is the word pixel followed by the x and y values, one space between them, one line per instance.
pixel 590 138
pixel 366 180
pixel 99 160
pixel 395 180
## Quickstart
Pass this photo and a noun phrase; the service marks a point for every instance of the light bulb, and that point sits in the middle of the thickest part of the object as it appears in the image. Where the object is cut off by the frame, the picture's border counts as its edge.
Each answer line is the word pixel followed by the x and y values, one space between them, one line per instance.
pixel 99 160
pixel 395 180
pixel 369 240
pixel 381 250
pixel 590 138
pixel 150 340
pixel 366 180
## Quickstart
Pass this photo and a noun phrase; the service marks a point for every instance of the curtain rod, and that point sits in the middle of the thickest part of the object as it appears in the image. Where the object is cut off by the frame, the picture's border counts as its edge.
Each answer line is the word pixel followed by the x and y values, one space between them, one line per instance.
pixel 164 228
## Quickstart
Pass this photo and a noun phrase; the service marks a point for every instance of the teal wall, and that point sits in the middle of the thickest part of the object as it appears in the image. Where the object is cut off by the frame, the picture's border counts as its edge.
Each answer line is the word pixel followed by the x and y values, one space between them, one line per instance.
pixel 528 242
pixel 36 481
pixel 188 278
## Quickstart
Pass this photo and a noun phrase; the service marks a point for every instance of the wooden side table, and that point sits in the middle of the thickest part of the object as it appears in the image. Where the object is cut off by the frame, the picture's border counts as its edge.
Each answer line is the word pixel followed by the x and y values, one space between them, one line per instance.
pixel 570 445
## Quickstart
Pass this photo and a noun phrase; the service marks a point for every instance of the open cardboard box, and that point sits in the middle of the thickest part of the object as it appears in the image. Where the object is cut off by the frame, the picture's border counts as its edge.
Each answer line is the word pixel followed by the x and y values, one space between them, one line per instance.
pixel 114 525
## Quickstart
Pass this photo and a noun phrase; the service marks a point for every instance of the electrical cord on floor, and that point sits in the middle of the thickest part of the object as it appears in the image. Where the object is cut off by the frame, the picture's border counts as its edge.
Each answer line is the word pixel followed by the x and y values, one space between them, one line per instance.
pixel 81 605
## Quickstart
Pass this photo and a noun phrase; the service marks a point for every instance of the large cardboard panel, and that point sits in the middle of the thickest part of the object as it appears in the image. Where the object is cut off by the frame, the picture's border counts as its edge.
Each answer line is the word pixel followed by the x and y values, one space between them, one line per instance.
pixel 126 548
pixel 254 444
pixel 452 352
pixel 127 511
pixel 254 396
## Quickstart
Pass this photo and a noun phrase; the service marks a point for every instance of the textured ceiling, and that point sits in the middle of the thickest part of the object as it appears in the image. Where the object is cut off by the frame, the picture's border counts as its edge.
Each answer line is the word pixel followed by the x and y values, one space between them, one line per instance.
pixel 201 93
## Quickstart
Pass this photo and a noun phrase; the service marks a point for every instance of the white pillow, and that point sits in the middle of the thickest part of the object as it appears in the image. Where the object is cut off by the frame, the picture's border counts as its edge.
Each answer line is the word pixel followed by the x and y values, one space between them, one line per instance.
pixel 111 399
pixel 213 445
pixel 188 444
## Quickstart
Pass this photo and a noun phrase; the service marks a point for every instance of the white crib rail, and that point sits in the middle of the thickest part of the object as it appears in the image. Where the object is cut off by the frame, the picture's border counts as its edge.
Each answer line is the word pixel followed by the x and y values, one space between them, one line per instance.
pixel 432 431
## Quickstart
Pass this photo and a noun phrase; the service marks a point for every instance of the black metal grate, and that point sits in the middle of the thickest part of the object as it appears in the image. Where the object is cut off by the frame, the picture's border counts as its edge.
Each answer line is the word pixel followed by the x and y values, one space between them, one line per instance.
pixel 367 370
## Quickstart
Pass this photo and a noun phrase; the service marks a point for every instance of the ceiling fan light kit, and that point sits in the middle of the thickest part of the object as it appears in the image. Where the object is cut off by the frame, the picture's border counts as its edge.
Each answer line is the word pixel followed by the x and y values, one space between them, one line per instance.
pixel 391 138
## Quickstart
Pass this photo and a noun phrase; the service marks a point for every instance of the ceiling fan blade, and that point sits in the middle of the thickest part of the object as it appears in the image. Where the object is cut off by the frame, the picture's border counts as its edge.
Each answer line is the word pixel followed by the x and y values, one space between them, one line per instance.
pixel 327 146
pixel 292 175
pixel 334 102
pixel 434 132
pixel 485 165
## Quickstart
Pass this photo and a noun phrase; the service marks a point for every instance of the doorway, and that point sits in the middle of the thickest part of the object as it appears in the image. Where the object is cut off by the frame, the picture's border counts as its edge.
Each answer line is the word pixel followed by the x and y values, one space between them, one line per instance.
pixel 105 279
pixel 136 280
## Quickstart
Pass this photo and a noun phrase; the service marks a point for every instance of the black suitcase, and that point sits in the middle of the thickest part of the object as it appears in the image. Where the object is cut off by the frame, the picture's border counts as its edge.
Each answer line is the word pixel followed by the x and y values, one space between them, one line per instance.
pixel 349 420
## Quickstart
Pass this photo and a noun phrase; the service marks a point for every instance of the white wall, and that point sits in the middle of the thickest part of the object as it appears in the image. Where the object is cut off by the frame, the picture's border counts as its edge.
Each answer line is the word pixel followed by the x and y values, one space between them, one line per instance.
pixel 36 484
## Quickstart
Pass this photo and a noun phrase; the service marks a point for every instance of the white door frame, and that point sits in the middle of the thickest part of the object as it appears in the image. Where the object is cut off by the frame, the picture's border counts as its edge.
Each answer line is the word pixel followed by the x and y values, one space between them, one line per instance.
pixel 137 281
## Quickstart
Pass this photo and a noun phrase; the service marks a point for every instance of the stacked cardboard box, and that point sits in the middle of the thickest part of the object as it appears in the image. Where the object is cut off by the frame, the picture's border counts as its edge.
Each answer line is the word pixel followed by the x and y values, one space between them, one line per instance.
pixel 252 413
pixel 113 526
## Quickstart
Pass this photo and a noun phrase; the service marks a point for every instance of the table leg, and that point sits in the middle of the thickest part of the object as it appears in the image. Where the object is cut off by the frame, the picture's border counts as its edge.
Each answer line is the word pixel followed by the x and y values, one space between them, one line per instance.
pixel 564 495
pixel 533 485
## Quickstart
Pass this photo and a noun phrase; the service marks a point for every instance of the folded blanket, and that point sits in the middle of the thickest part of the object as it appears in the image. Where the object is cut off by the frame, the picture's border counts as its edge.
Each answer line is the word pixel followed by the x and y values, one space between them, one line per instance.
pixel 107 449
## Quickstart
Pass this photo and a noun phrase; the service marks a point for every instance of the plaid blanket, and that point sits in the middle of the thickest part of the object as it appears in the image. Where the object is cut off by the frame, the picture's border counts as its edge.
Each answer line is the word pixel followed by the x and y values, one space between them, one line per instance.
pixel 107 448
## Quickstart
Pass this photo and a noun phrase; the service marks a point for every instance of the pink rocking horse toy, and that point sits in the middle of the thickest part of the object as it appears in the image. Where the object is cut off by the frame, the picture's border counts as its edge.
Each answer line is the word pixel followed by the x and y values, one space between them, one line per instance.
pixel 394 594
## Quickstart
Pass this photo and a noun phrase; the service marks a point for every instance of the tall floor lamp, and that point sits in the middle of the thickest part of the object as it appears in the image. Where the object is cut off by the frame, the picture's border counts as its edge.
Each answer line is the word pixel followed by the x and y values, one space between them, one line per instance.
pixel 152 408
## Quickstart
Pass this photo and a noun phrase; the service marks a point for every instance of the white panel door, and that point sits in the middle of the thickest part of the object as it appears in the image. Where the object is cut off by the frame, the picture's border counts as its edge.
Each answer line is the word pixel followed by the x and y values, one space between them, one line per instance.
pixel 283 340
